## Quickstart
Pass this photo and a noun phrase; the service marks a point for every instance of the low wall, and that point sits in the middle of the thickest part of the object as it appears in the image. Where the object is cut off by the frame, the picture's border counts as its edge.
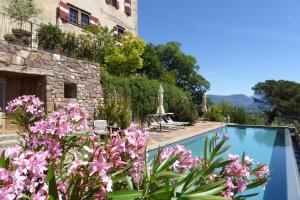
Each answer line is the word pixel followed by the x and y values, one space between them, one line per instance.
pixel 60 73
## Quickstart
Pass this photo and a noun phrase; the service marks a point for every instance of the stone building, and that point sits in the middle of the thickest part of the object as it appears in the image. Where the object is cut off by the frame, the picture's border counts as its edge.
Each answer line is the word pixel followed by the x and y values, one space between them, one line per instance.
pixel 73 15
pixel 55 79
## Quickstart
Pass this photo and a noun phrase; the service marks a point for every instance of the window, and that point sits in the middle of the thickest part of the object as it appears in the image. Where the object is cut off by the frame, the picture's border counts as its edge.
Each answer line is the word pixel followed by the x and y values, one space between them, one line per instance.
pixel 114 3
pixel 70 90
pixel 120 30
pixel 85 19
pixel 73 16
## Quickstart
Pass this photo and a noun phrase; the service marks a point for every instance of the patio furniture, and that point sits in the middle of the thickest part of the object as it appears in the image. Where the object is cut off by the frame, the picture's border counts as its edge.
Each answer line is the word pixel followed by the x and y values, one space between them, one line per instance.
pixel 100 127
pixel 170 121
pixel 154 124
pixel 161 121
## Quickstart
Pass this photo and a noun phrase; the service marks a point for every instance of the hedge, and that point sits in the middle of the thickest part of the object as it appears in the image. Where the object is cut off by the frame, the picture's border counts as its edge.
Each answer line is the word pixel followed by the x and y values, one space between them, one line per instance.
pixel 142 93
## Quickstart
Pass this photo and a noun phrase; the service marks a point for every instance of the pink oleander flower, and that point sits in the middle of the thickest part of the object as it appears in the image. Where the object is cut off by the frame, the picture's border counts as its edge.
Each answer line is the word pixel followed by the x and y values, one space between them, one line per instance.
pixel 135 147
pixel 77 163
pixel 64 121
pixel 184 162
pixel 248 160
pixel 228 193
pixel 241 185
pixel 26 104
pixel 236 167
pixel 233 157
pixel 226 137
pixel 263 172
pixel 99 166
pixel 28 176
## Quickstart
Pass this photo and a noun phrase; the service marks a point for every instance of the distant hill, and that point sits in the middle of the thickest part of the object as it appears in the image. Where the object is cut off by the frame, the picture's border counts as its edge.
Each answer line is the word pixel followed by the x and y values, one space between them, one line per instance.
pixel 238 100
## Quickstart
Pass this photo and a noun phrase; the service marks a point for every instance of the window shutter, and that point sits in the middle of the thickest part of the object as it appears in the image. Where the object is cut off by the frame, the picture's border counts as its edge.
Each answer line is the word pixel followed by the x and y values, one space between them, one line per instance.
pixel 128 7
pixel 94 21
pixel 117 4
pixel 64 11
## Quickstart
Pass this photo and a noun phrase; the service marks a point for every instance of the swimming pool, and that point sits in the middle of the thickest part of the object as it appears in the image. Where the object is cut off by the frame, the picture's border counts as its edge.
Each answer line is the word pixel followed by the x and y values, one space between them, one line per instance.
pixel 264 145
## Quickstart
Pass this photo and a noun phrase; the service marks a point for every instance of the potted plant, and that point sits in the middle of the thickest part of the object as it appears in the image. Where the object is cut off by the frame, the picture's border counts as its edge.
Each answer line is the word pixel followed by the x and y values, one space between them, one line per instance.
pixel 22 11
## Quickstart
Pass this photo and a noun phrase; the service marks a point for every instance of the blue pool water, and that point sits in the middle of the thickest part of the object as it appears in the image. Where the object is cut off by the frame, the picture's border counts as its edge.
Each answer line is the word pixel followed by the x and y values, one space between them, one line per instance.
pixel 264 145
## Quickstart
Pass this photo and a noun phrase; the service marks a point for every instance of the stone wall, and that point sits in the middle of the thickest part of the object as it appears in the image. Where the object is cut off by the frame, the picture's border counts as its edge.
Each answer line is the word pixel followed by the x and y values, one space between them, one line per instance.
pixel 1 122
pixel 56 72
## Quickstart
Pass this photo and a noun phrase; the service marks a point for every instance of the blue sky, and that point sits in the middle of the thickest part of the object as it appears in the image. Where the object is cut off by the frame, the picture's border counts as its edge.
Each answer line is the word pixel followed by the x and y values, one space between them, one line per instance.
pixel 237 42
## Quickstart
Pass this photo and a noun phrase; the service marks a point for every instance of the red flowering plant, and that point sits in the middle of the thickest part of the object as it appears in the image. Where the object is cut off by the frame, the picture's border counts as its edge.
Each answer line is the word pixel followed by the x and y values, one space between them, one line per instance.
pixel 63 159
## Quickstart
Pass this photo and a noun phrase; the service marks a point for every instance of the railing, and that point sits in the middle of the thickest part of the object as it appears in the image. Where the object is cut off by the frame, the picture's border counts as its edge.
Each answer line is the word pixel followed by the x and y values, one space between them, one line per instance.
pixel 17 31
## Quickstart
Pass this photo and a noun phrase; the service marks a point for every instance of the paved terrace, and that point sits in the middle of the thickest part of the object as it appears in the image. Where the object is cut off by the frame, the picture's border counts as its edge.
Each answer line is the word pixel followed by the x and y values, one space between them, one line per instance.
pixel 163 138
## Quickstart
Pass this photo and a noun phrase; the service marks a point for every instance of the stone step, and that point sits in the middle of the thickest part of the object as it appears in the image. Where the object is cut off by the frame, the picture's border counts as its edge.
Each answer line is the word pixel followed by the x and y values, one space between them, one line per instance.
pixel 9 137
pixel 7 144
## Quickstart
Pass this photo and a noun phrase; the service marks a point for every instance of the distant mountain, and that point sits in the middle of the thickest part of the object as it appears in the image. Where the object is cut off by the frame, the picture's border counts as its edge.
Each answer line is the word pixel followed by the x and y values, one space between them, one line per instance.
pixel 238 100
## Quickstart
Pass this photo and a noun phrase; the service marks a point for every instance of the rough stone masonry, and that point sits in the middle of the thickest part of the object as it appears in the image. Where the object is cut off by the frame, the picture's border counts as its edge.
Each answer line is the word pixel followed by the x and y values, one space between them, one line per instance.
pixel 63 79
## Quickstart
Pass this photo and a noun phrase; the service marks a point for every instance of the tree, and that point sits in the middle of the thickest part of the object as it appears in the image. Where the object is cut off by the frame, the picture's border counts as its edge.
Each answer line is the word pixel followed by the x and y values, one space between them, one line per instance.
pixel 185 67
pixel 221 111
pixel 96 43
pixel 22 10
pixel 152 67
pixel 126 57
pixel 279 98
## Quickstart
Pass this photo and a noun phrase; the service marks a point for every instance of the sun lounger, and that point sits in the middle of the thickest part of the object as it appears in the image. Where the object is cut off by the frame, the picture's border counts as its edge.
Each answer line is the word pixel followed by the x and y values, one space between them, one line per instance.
pixel 161 121
pixel 100 127
pixel 170 121
pixel 154 124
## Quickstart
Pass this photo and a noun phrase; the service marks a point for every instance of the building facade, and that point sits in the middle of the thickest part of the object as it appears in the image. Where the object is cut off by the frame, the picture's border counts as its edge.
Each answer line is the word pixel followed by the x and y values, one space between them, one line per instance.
pixel 73 15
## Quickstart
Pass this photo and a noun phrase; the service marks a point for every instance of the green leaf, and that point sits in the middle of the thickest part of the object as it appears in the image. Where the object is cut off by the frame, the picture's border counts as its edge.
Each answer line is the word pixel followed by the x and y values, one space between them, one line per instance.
pixel 216 150
pixel 53 195
pixel 166 164
pixel 203 198
pixel 223 163
pixel 125 195
pixel 2 160
pixel 166 175
pixel 224 149
pixel 210 186
pixel 210 192
pixel 205 149
pixel 256 183
pixel 259 167
pixel 161 194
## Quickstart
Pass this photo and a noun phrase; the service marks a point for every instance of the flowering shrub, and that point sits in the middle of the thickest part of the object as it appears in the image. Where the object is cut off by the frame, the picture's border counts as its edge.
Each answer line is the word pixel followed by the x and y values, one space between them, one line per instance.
pixel 184 162
pixel 62 158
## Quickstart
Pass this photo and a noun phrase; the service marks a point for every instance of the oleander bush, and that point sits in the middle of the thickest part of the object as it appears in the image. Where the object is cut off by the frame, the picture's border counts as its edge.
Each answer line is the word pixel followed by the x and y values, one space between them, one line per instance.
pixel 61 158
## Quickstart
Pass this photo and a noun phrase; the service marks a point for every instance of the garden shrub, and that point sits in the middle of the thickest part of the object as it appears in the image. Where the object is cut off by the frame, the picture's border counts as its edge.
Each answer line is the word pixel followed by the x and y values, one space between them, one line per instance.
pixel 115 110
pixel 221 111
pixel 50 37
pixel 142 96
pixel 11 38
pixel 94 44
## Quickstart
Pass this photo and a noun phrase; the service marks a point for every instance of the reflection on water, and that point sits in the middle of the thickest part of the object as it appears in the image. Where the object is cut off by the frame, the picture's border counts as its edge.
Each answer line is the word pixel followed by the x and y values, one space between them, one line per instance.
pixel 241 133
pixel 263 137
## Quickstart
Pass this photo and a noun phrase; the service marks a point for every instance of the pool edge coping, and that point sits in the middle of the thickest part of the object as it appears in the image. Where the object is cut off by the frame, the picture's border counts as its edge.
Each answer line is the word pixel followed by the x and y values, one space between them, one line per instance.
pixel 182 137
